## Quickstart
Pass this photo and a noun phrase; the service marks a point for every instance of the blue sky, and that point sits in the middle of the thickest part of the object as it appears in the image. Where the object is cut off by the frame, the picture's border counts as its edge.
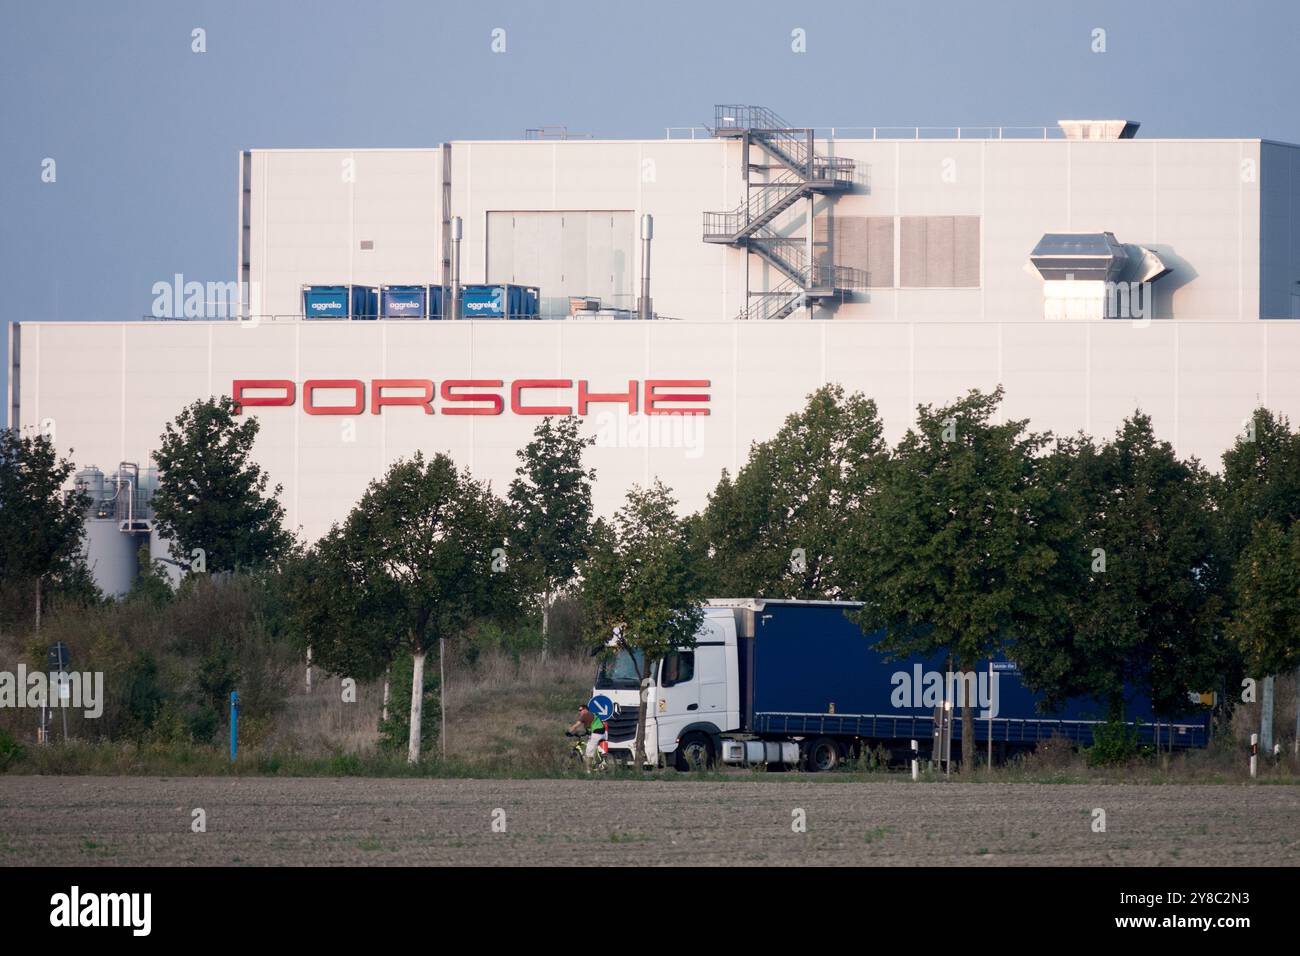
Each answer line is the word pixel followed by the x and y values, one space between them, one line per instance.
pixel 145 133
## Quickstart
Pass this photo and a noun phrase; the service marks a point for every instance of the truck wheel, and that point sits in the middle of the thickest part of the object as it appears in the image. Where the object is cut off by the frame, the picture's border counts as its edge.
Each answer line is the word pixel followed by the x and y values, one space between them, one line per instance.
pixel 695 752
pixel 823 755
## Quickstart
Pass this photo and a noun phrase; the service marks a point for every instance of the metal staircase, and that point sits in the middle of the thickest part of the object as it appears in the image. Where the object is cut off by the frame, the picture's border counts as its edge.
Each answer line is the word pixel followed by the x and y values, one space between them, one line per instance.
pixel 800 174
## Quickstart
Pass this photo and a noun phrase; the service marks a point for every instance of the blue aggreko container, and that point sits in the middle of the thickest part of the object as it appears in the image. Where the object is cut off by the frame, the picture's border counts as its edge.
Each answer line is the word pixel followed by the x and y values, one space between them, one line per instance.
pixel 403 301
pixel 339 302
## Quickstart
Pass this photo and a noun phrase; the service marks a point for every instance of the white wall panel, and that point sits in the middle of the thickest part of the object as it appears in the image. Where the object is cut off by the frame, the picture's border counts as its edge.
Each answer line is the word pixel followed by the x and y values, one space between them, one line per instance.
pixel 1189 199
pixel 1198 381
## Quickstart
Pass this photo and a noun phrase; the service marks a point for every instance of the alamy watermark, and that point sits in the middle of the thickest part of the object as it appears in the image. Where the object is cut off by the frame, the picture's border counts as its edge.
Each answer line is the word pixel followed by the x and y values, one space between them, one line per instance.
pixel 621 430
pixel 922 688
pixel 190 299
pixel 1085 299
pixel 76 690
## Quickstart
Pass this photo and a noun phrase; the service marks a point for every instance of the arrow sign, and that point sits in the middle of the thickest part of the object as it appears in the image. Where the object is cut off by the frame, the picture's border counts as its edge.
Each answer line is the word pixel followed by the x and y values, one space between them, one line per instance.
pixel 58 657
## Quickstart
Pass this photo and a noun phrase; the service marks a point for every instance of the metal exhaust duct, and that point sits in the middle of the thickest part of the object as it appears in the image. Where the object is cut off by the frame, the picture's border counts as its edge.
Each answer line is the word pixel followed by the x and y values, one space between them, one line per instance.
pixel 456 232
pixel 644 308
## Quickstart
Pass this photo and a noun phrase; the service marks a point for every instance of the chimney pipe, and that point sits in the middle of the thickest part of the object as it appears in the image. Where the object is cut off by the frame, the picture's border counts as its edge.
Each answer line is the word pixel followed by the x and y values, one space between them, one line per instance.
pixel 456 231
pixel 645 309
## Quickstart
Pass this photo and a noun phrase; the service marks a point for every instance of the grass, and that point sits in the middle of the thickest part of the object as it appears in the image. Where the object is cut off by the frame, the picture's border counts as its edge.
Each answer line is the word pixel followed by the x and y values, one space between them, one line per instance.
pixel 98 850
pixel 505 719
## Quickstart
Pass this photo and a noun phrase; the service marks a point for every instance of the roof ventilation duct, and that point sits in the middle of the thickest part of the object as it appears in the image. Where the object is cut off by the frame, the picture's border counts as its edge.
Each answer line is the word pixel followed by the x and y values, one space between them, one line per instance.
pixel 1098 129
pixel 1095 256
pixel 1091 275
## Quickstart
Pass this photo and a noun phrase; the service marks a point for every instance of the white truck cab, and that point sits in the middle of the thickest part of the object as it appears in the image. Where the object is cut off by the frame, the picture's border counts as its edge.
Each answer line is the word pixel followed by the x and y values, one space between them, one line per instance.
pixel 693 697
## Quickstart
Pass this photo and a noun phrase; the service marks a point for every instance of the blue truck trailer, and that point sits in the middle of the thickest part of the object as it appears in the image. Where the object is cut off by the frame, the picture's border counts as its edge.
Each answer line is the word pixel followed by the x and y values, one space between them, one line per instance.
pixel 786 682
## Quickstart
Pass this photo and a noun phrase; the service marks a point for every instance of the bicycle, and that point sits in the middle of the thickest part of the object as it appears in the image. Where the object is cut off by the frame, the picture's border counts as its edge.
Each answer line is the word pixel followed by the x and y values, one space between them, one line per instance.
pixel 578 753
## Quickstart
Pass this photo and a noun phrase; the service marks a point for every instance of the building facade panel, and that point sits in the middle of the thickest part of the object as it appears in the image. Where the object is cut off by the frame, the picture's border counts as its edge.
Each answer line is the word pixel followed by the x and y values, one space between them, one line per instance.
pixel 1198 382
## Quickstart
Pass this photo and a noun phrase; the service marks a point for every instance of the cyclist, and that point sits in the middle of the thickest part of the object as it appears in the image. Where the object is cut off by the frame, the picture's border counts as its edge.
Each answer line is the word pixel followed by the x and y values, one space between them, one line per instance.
pixel 595 727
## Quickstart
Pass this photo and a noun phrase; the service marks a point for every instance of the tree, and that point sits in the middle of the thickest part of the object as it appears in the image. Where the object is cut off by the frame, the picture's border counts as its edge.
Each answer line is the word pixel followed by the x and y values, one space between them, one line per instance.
pixel 779 527
pixel 41 527
pixel 1260 484
pixel 417 560
pixel 958 553
pixel 550 505
pixel 641 587
pixel 152 587
pixel 1261 480
pixel 211 495
pixel 1266 586
pixel 1144 612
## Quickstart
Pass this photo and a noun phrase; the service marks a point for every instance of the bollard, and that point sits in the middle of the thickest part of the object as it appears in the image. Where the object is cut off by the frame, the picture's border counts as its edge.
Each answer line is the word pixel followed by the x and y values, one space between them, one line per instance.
pixel 915 761
pixel 1254 752
pixel 234 725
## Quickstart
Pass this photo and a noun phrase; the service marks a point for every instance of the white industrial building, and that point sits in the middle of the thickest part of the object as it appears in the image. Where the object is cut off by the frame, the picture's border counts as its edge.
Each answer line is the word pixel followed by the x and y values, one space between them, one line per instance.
pixel 1087 270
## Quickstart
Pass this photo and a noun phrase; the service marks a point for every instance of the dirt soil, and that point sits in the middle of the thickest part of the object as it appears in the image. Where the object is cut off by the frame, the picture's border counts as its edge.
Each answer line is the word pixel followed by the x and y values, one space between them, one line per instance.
pixel 352 821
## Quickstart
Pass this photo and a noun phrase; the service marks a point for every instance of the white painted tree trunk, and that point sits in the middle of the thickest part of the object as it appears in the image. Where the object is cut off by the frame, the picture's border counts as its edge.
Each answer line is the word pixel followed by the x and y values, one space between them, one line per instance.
pixel 38 605
pixel 638 745
pixel 417 706
pixel 384 716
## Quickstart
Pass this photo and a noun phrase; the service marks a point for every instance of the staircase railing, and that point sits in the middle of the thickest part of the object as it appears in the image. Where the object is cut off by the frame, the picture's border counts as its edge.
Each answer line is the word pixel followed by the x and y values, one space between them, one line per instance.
pixel 766 204
pixel 790 256
pixel 775 304
pixel 805 173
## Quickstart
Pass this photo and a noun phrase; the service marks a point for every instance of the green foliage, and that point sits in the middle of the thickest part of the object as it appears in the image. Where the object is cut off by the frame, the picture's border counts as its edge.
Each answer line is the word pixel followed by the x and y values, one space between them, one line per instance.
pixel 211 493
pixel 491 636
pixel 416 561
pixel 395 732
pixel 11 752
pixel 162 665
pixel 1265 623
pixel 1144 604
pixel 641 583
pixel 152 586
pixel 781 527
pixel 144 693
pixel 1113 743
pixel 216 677
pixel 41 527
pixel 959 551
pixel 1258 500
pixel 550 507
pixel 1260 479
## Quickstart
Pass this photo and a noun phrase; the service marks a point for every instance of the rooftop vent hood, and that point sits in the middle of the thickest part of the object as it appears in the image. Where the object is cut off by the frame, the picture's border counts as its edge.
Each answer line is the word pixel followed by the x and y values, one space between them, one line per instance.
pixel 1098 129
pixel 1086 256
pixel 1091 275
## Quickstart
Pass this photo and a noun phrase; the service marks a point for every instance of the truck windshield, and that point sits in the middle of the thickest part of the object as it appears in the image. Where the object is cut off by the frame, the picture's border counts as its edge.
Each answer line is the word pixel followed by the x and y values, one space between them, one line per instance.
pixel 621 672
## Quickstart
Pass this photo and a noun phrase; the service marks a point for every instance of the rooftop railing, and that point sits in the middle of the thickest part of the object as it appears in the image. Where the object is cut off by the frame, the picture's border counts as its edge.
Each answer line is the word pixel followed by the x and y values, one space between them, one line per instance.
pixel 895 133
pixel 255 320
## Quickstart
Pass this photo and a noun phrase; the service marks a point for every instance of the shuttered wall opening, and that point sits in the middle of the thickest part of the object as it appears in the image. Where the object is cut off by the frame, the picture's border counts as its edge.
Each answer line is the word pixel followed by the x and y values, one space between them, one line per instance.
pixel 939 252
pixel 565 253
pixel 861 242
